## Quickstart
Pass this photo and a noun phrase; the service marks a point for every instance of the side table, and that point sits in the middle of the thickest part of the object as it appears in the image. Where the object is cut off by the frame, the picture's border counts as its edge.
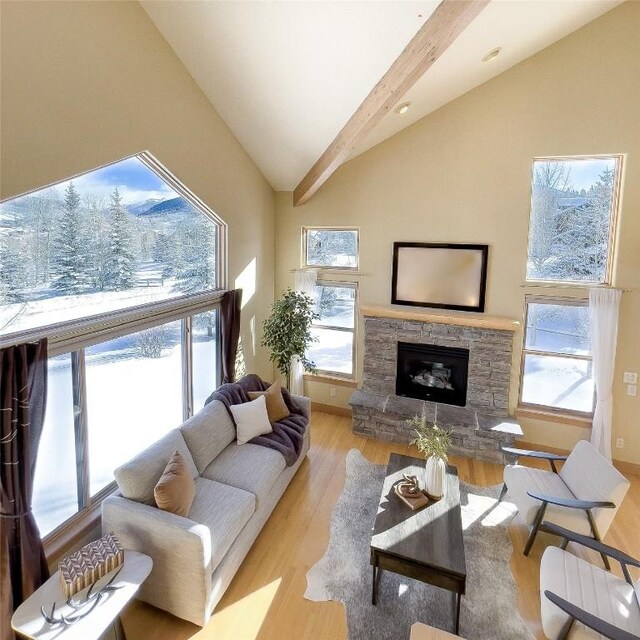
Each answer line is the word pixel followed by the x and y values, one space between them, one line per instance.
pixel 29 623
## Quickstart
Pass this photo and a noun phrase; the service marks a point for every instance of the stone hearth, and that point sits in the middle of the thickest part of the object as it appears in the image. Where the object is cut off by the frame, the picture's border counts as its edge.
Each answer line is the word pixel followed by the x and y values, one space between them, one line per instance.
pixel 482 426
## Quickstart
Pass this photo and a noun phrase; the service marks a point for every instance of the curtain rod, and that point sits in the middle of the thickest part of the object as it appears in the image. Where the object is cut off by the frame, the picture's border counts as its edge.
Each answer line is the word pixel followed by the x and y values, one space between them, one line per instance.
pixel 586 287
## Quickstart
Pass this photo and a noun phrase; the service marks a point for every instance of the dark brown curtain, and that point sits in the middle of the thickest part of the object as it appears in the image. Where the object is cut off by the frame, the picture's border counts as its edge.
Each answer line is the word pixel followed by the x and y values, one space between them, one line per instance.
pixel 230 332
pixel 23 397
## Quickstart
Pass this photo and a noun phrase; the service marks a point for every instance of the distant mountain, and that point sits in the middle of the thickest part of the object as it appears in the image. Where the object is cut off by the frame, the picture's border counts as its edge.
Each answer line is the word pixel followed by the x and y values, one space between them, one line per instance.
pixel 140 208
pixel 173 205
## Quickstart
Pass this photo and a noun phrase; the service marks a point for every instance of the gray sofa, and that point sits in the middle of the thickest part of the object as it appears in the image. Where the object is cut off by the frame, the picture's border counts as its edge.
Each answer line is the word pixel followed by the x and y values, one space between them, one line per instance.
pixel 237 488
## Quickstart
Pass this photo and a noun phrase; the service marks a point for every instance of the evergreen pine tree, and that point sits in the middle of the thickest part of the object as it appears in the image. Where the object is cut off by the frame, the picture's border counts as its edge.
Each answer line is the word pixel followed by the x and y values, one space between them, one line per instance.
pixel 198 272
pixel 121 265
pixel 12 271
pixel 71 274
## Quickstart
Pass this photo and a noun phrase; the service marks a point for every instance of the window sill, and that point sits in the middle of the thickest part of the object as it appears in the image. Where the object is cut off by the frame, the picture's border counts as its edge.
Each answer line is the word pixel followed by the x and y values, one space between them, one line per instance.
pixel 329 379
pixel 63 539
pixel 558 418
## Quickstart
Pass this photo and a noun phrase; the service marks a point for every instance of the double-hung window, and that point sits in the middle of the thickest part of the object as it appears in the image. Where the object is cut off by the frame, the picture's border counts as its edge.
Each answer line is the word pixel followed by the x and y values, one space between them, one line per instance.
pixel 334 351
pixel 556 365
pixel 121 268
pixel 572 231
pixel 333 252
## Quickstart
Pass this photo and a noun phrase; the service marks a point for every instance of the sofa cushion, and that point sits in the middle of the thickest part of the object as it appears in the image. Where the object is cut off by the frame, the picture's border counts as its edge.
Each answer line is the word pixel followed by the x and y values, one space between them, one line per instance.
pixel 137 478
pixel 176 489
pixel 224 510
pixel 520 479
pixel 208 432
pixel 249 467
pixel 589 587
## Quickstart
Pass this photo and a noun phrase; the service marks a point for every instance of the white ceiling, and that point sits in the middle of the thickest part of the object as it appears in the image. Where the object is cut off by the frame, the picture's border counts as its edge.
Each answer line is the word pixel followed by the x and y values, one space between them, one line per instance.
pixel 287 75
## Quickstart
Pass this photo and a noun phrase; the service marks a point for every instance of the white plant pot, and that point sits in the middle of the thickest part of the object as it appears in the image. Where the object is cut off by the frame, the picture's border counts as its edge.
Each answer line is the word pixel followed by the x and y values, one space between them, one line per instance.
pixel 435 470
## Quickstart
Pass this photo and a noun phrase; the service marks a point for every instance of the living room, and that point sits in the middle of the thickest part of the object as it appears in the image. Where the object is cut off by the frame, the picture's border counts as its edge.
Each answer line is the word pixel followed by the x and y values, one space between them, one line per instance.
pixel 89 84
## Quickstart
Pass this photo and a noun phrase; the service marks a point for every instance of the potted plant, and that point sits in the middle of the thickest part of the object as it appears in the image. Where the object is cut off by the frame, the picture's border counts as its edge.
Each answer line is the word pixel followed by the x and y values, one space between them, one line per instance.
pixel 433 443
pixel 287 331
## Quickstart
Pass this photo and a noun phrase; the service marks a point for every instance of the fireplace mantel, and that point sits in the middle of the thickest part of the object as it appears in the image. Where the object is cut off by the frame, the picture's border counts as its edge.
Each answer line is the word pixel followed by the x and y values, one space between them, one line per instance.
pixel 461 319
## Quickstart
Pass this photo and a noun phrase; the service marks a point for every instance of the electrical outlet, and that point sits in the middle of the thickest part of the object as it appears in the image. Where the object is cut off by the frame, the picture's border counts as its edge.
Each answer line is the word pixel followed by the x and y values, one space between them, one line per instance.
pixel 630 377
pixel 620 443
pixel 632 389
pixel 332 392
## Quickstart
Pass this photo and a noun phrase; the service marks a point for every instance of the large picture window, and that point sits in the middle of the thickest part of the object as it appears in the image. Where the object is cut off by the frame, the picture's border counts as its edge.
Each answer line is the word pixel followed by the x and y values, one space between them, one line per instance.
pixel 108 401
pixel 121 236
pixel 121 268
pixel 334 351
pixel 573 213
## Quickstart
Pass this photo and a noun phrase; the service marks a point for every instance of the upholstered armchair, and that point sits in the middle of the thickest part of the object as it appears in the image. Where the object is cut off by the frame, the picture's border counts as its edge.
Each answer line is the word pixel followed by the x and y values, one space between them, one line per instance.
pixel 580 601
pixel 583 496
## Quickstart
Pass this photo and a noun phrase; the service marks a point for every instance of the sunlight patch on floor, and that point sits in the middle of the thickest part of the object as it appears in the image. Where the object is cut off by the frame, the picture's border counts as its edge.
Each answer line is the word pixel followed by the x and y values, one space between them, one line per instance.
pixel 487 509
pixel 229 623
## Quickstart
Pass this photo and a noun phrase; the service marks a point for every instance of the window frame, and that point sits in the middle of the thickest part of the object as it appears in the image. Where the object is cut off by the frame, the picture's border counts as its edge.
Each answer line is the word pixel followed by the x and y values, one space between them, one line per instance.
pixel 543 408
pixel 353 330
pixel 306 265
pixel 613 220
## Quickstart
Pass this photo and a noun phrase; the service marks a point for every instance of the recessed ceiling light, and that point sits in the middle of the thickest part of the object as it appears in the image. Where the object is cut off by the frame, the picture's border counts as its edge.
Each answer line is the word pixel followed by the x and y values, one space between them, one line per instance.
pixel 492 55
pixel 403 108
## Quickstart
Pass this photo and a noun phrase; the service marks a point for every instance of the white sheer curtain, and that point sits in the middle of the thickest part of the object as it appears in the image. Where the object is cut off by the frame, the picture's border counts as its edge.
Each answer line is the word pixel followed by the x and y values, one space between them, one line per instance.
pixel 603 306
pixel 305 281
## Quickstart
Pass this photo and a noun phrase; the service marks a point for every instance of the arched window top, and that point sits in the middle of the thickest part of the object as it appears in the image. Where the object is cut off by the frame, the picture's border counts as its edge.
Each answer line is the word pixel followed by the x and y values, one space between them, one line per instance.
pixel 121 236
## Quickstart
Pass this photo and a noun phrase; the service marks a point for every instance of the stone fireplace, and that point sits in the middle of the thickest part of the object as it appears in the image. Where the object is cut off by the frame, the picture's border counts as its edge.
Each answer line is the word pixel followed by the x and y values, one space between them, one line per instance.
pixel 453 369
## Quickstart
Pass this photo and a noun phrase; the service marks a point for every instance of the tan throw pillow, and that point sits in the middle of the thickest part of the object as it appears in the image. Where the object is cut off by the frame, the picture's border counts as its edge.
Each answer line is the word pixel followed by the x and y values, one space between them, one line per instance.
pixel 276 406
pixel 176 489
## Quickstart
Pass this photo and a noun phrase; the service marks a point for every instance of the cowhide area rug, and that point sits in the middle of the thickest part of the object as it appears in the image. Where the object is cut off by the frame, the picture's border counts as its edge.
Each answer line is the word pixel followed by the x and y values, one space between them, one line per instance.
pixel 489 608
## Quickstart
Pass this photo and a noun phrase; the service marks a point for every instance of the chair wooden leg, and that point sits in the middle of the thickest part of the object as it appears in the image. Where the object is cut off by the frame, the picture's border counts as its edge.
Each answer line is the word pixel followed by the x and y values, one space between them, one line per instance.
pixel 503 492
pixel 534 529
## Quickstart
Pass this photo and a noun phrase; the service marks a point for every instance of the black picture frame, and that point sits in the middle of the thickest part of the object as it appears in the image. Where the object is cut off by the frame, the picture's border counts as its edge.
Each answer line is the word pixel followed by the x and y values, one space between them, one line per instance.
pixel 483 249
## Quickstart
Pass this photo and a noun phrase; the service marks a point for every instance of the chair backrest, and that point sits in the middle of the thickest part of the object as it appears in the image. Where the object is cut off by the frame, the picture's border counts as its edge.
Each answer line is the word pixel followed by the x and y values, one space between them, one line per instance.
pixel 590 476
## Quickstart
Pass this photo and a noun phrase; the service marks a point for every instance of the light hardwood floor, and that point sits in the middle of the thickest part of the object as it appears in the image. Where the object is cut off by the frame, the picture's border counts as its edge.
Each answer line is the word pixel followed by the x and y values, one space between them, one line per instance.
pixel 265 600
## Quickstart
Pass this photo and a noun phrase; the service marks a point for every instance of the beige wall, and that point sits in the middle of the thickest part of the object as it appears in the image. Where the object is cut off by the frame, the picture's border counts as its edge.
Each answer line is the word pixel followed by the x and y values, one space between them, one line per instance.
pixel 87 83
pixel 462 174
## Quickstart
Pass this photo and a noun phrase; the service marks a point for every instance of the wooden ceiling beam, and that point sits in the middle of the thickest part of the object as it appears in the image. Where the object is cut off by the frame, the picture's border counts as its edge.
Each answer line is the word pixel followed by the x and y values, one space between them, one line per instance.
pixel 441 29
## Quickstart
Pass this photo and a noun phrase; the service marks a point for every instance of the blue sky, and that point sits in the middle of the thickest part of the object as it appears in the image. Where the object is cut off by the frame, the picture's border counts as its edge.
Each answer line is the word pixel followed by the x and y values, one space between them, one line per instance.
pixel 584 173
pixel 135 182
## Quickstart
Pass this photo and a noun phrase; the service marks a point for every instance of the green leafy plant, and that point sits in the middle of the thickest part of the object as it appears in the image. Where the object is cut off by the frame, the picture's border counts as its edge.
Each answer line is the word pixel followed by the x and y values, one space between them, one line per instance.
pixel 287 331
pixel 430 439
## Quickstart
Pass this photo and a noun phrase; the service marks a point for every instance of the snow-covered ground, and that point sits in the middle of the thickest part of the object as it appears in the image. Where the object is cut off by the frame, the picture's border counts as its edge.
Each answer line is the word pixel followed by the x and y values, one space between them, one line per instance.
pixel 558 382
pixel 131 401
pixel 333 351
pixel 45 311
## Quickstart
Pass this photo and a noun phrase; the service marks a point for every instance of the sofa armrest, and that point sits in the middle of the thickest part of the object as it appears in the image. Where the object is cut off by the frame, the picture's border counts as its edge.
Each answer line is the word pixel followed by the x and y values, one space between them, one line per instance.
pixel 180 580
pixel 137 525
pixel 304 403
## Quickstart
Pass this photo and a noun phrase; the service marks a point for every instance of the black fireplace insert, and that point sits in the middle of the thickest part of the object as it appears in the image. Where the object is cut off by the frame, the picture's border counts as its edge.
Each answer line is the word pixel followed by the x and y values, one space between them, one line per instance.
pixel 432 372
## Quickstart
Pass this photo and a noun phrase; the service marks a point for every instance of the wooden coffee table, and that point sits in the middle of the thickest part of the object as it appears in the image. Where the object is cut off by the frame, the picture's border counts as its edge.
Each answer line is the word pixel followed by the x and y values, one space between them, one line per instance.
pixel 426 544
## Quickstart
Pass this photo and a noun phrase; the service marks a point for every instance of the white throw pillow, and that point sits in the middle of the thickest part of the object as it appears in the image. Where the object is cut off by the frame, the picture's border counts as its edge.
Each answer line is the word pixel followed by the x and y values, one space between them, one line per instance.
pixel 251 419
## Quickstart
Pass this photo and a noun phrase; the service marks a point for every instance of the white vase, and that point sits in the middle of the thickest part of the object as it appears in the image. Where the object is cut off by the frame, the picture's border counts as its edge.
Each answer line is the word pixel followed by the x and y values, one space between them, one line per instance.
pixel 435 470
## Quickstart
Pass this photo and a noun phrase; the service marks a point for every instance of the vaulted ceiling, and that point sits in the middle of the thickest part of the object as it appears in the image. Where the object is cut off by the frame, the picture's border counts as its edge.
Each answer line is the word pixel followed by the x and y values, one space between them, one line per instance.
pixel 286 76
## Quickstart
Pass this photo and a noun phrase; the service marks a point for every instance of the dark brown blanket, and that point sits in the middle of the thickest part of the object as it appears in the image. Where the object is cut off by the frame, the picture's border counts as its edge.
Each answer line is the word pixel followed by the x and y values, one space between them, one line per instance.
pixel 287 434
